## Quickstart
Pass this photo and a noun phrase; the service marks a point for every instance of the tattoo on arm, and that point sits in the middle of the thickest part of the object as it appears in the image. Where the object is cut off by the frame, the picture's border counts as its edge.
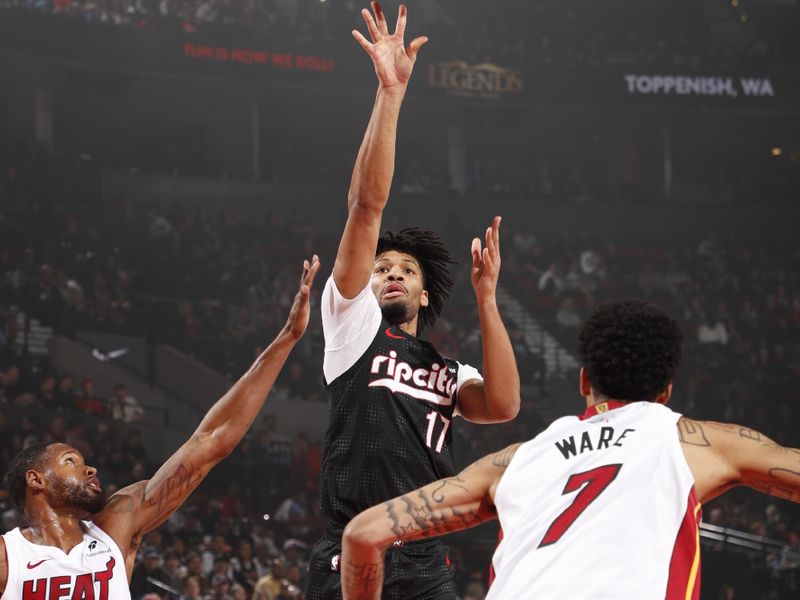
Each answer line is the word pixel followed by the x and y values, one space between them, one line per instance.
pixel 691 433
pixel 773 469
pixel 750 435
pixel 414 516
pixel 778 489
pixel 745 433
pixel 364 579
pixel 165 493
pixel 156 499
pixel 173 489
pixel 448 505
pixel 503 458
pixel 438 493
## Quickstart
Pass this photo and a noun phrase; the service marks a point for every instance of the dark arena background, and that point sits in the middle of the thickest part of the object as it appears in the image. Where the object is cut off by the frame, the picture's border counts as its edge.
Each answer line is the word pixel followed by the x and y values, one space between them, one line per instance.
pixel 167 164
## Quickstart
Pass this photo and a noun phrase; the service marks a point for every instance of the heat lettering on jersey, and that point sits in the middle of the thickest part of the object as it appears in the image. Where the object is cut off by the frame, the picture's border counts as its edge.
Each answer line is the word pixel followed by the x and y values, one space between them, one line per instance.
pixel 64 587
pixel 432 385
pixel 571 446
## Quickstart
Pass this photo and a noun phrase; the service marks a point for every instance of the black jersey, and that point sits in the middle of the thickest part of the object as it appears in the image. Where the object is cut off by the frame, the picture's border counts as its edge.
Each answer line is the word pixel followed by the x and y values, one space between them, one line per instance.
pixel 390 424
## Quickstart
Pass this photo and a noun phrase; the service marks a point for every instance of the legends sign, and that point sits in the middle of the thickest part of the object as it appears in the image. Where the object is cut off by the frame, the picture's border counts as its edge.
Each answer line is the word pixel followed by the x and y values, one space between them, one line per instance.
pixel 484 80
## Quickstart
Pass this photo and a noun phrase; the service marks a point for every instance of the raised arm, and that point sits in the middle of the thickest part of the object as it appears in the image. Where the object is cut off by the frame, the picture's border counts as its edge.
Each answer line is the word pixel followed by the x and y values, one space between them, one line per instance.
pixel 143 506
pixel 374 169
pixel 722 456
pixel 444 506
pixel 497 398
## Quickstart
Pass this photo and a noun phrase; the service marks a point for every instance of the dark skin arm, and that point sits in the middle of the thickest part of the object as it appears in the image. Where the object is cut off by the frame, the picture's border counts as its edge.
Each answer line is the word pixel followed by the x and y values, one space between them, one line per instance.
pixel 374 168
pixel 444 506
pixel 722 456
pixel 143 506
pixel 496 399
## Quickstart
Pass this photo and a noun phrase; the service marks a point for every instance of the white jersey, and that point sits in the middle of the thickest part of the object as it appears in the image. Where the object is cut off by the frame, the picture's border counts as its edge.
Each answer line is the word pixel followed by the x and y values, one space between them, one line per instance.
pixel 600 507
pixel 93 570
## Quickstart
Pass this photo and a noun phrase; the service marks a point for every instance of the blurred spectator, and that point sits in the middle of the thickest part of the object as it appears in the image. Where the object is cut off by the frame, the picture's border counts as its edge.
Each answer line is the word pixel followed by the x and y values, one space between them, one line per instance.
pixel 123 406
pixel 269 586
pixel 567 316
pixel 87 402
pixel 45 394
pixel 148 568
pixel 195 570
pixel 9 376
pixel 192 589
pixel 57 431
pixel 712 332
pixel 65 393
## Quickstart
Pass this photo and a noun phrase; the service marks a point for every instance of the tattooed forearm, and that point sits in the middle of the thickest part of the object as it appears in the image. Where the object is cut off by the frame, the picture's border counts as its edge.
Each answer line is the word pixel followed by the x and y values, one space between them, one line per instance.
pixel 362 581
pixel 158 495
pixel 415 516
pixel 162 495
pixel 438 492
pixel 776 489
pixel 787 485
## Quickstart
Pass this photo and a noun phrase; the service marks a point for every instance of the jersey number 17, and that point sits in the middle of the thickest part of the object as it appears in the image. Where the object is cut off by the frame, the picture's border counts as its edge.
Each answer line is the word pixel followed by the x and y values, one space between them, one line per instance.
pixel 432 420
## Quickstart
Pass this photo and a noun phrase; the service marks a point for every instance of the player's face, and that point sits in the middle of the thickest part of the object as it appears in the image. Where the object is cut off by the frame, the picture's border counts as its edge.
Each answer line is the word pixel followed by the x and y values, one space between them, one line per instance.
pixel 71 483
pixel 397 284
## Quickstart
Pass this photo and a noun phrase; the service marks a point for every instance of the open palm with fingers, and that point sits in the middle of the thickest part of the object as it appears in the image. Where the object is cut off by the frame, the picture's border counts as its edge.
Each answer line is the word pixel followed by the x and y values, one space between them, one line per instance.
pixel 299 314
pixel 486 262
pixel 393 61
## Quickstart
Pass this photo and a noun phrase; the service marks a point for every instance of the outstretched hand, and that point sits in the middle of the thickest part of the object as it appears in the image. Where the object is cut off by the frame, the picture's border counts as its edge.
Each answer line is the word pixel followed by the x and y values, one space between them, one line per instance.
pixel 393 61
pixel 301 307
pixel 486 262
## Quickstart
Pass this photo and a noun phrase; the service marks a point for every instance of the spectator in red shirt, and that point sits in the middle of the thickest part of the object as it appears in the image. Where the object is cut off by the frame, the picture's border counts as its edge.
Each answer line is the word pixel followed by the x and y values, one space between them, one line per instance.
pixel 87 402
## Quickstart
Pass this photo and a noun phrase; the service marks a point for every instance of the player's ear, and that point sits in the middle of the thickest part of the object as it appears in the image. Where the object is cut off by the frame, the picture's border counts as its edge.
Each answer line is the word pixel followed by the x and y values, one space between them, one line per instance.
pixel 584 384
pixel 34 479
pixel 664 396
pixel 424 300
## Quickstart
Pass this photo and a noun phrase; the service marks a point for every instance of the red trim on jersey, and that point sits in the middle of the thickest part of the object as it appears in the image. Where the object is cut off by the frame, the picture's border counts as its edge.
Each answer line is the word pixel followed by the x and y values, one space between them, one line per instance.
pixel 684 566
pixel 492 574
pixel 601 408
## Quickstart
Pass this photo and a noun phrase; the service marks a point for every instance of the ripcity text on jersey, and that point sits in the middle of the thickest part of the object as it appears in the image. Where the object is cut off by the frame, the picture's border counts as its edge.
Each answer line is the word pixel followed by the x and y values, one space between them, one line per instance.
pixel 600 507
pixel 392 402
pixel 92 570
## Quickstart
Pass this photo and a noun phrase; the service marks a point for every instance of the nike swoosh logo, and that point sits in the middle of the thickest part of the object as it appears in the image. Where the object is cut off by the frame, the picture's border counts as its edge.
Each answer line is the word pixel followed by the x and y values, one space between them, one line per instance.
pixel 408 390
pixel 34 565
pixel 389 333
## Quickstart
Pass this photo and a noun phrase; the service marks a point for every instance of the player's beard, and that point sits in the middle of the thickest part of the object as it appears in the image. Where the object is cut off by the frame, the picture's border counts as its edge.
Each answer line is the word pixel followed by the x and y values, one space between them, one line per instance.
pixel 76 495
pixel 397 312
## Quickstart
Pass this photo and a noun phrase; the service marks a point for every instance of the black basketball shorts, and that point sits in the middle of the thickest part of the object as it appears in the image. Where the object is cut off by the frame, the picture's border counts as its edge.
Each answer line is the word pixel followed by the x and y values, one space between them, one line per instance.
pixel 414 571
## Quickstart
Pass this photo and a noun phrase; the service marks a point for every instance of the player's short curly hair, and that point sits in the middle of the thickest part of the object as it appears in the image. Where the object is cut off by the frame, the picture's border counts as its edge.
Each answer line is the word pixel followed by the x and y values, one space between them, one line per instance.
pixel 630 350
pixel 434 260
pixel 32 457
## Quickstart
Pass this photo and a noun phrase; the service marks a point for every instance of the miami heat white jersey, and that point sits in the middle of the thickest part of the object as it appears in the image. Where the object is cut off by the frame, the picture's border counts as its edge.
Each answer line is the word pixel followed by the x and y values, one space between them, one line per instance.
pixel 600 507
pixel 93 570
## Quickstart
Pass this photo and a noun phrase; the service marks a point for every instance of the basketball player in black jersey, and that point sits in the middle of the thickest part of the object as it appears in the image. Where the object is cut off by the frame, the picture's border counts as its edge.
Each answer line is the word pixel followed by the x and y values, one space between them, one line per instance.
pixel 393 397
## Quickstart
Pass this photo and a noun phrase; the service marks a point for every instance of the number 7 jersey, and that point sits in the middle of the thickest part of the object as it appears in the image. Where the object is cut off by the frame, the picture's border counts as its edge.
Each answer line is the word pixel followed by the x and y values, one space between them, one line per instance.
pixel 600 507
